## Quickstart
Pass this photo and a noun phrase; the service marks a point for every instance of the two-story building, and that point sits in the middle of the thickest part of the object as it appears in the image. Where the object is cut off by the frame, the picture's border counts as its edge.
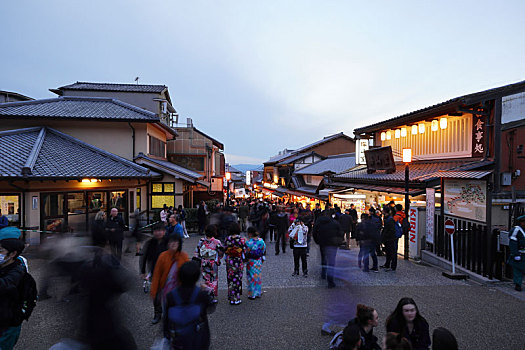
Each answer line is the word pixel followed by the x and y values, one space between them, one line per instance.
pixel 186 150
pixel 201 153
pixel 119 128
pixel 458 167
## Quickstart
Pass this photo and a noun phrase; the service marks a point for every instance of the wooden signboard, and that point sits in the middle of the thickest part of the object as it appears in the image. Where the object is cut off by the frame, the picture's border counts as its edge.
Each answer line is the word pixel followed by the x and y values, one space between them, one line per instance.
pixel 380 159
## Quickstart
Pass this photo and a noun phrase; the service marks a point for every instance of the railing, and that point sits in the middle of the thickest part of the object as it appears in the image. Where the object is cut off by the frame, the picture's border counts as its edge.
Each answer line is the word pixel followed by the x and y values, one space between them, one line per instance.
pixel 471 244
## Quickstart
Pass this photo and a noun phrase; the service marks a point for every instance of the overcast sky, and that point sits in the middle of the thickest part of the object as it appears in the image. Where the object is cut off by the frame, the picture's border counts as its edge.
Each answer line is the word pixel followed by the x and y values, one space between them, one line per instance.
pixel 268 75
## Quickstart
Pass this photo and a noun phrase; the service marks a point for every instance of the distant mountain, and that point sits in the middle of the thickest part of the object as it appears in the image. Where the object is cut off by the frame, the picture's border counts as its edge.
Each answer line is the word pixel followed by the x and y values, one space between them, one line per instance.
pixel 246 167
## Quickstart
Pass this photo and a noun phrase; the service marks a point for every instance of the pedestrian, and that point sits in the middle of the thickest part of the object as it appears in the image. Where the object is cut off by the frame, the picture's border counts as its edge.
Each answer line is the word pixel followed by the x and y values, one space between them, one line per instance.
pixel 210 252
pixel 353 214
pixel 243 216
pixel 366 319
pixel 345 220
pixel 281 226
pixel 174 227
pixel 165 274
pixel 347 339
pixel 407 321
pixel 201 217
pixel 235 249
pixel 164 215
pixel 395 341
pixel 299 238
pixel 4 222
pixel 272 224
pixel 12 271
pixel 370 240
pixel 443 339
pixel 99 235
pixel 308 218
pixel 389 239
pixel 182 220
pixel 115 229
pixel 328 235
pixel 187 306
pixel 255 257
pixel 517 252
pixel 152 250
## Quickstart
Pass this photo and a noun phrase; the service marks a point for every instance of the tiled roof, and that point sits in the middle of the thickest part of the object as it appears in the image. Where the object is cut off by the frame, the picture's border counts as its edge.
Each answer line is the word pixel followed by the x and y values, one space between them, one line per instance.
pixel 45 153
pixel 168 167
pixel 81 85
pixel 419 171
pixel 77 108
pixel 303 149
pixel 334 164
pixel 450 104
pixel 297 157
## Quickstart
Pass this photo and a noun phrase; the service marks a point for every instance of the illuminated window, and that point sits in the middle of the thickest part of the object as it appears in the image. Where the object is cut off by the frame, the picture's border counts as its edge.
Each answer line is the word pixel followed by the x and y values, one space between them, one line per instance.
pixel 421 128
pixel 157 188
pixel 397 133
pixel 403 132
pixel 388 135
pixel 168 188
pixel 138 198
pixel 158 201
pixel 414 129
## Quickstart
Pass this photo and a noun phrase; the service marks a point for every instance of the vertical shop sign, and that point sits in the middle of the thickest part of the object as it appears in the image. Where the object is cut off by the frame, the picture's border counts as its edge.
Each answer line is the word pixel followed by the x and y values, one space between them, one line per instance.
pixel 362 146
pixel 412 234
pixel 431 206
pixel 478 135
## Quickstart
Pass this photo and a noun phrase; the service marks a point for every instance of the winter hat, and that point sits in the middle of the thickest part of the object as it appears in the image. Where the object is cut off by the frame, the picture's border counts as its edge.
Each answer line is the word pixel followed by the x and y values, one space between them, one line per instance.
pixel 9 232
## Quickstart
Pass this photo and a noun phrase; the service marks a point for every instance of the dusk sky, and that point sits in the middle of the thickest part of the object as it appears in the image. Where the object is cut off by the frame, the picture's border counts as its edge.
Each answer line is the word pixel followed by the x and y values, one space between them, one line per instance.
pixel 264 76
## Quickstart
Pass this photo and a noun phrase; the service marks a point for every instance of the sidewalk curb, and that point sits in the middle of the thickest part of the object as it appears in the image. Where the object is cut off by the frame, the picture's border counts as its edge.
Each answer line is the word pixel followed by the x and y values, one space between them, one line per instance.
pixel 434 260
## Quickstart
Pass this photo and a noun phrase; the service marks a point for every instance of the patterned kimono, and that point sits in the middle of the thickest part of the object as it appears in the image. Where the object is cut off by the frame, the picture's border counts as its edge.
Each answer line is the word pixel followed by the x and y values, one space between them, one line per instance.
pixel 255 254
pixel 210 251
pixel 235 248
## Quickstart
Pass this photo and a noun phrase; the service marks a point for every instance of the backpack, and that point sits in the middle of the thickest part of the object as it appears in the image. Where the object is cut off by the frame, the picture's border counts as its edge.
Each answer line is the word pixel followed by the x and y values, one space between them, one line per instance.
pixel 27 296
pixel 406 226
pixel 399 230
pixel 185 324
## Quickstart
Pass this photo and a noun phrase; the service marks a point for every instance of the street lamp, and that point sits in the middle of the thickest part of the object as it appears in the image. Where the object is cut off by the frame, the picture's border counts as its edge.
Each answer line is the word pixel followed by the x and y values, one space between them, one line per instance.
pixel 228 178
pixel 407 159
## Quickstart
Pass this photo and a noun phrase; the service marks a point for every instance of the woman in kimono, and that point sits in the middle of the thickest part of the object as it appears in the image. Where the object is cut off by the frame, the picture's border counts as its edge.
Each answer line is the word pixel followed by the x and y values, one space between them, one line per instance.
pixel 255 255
pixel 235 249
pixel 210 251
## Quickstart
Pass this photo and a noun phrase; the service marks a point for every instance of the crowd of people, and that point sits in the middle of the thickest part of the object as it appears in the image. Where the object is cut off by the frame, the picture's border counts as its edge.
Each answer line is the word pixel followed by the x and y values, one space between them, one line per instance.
pixel 236 236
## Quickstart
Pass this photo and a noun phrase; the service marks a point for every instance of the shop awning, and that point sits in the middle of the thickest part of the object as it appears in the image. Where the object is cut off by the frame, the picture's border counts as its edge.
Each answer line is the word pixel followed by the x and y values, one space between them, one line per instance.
pixel 381 188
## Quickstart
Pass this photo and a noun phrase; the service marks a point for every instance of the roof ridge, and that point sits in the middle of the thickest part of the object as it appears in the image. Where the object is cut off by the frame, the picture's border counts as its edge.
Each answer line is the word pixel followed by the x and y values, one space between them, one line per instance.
pixel 99 150
pixel 127 84
pixel 27 169
pixel 19 131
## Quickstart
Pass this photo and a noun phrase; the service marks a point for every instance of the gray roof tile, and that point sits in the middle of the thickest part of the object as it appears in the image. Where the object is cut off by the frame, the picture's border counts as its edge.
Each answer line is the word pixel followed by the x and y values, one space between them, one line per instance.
pixel 61 157
pixel 81 85
pixel 160 164
pixel 335 164
pixel 77 108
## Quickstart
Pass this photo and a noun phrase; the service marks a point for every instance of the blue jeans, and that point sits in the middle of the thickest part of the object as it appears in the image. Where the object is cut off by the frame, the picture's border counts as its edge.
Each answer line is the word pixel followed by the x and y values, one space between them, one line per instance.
pixel 369 250
pixel 9 337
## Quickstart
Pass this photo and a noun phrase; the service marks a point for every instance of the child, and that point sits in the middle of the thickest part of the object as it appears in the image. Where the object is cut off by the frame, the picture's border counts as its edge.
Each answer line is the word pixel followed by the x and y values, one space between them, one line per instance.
pixel 299 234
pixel 186 320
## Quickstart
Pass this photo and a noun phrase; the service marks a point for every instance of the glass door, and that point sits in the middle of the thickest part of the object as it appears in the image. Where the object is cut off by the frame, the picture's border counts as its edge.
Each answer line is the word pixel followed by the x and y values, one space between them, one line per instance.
pixel 76 212
pixel 119 200
pixel 96 202
pixel 52 212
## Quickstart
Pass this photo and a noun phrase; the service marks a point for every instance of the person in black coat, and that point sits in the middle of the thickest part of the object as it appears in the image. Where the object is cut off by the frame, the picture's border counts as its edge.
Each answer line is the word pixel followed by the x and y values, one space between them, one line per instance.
pixel 346 221
pixel 367 319
pixel 407 321
pixel 388 237
pixel 353 213
pixel 201 217
pixel 328 235
pixel 115 229
pixel 12 271
pixel 151 252
pixel 98 230
pixel 281 227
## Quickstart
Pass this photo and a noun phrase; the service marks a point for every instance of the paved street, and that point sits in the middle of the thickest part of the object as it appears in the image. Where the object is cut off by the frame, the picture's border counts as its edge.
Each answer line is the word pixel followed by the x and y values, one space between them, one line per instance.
pixel 292 309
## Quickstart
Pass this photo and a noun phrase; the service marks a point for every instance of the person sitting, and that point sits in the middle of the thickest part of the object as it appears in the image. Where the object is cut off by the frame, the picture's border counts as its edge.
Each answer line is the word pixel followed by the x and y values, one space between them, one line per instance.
pixel 407 321
pixel 443 339
pixel 395 341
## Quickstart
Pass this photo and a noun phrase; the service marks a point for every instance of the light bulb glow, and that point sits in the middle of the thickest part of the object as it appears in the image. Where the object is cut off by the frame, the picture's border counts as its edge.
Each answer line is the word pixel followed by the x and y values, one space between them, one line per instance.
pixel 403 132
pixel 383 136
pixel 421 128
pixel 434 125
pixel 397 133
pixel 388 135
pixel 414 129
pixel 443 123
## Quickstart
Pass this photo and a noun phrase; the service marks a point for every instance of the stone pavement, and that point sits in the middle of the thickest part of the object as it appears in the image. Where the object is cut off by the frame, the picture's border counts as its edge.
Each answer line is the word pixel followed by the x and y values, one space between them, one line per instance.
pixel 292 309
